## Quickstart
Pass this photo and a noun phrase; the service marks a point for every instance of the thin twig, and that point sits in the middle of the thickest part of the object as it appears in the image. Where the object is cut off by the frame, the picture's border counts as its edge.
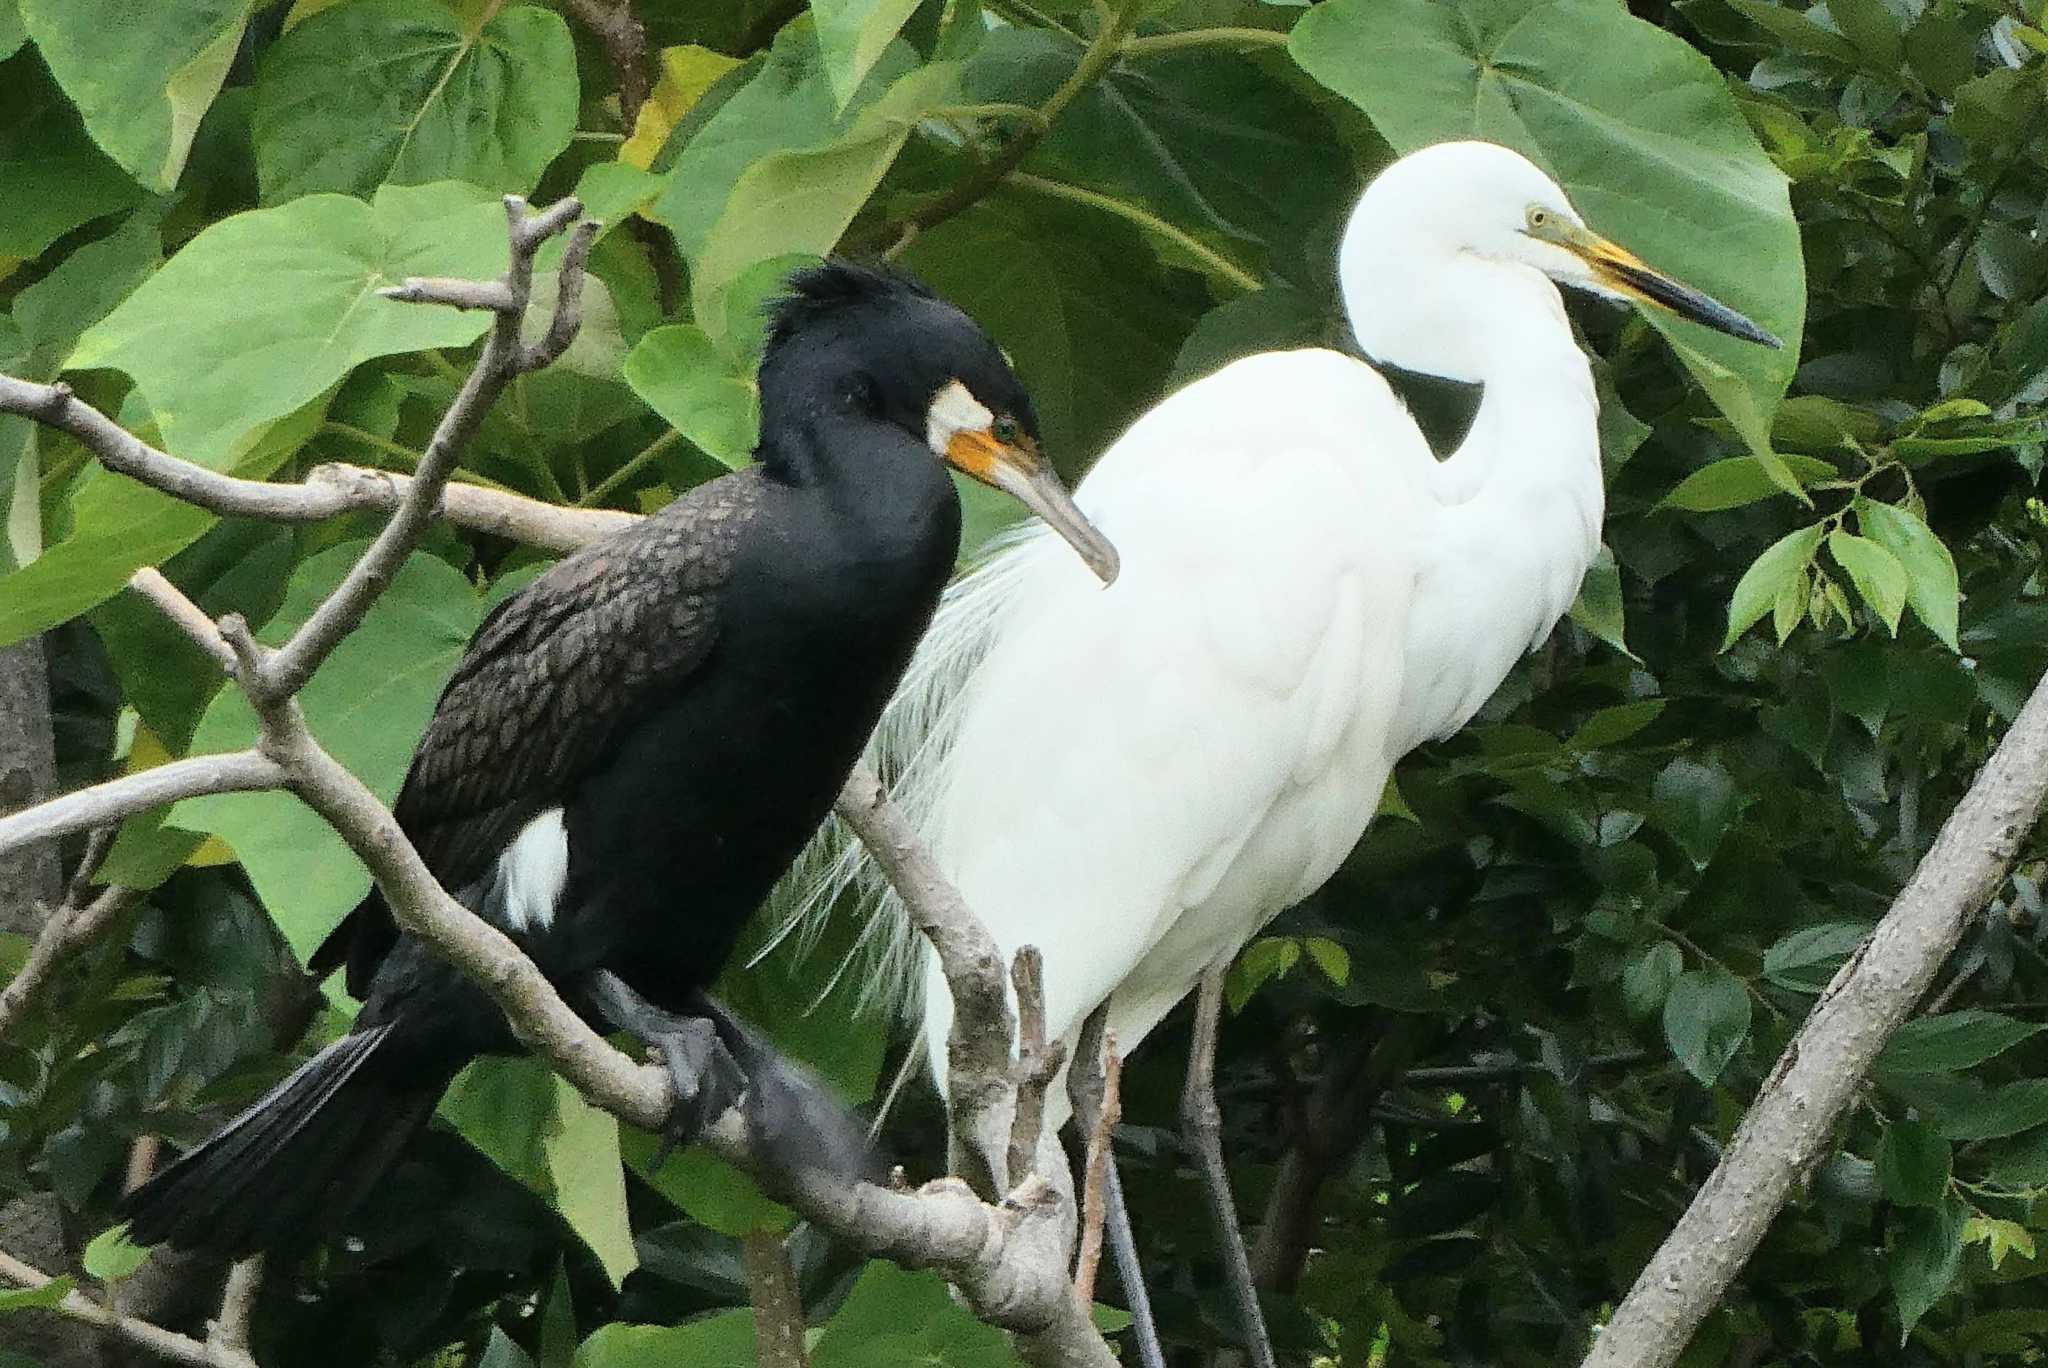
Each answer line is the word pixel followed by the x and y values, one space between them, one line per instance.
pixel 1038 1062
pixel 187 615
pixel 778 1307
pixel 229 1332
pixel 1105 1110
pixel 504 358
pixel 163 1343
pixel 67 929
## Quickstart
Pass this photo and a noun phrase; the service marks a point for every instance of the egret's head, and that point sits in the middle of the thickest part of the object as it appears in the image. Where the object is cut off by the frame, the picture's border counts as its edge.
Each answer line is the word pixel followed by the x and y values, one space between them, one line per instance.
pixel 1451 204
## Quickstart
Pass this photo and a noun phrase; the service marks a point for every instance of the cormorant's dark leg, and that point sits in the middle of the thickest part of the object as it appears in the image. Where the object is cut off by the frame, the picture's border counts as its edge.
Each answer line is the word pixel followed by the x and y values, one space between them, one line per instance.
pixel 707 1079
pixel 1203 1132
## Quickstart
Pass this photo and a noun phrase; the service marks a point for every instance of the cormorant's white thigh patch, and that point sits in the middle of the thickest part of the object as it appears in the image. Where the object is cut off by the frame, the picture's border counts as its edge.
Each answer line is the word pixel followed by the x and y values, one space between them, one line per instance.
pixel 533 871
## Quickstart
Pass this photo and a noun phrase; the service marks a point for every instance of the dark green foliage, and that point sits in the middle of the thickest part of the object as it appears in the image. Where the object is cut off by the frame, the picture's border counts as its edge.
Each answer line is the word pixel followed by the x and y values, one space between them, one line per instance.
pixel 1509 1039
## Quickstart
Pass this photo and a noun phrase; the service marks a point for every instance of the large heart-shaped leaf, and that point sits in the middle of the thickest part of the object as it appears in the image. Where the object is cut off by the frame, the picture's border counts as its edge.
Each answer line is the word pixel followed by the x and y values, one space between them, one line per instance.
pixel 142 75
pixel 425 98
pixel 368 705
pixel 1635 124
pixel 265 310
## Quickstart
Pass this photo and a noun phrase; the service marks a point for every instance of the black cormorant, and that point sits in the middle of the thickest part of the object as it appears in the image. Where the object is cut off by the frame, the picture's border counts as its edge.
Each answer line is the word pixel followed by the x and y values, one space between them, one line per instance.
pixel 636 745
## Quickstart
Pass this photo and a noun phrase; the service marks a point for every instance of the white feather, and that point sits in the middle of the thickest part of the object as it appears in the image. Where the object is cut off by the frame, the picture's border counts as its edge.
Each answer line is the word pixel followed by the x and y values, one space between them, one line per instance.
pixel 533 871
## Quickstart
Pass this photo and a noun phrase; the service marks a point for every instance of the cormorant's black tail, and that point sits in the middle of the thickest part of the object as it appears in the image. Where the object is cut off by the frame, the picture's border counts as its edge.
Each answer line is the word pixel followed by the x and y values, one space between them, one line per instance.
pixel 298 1160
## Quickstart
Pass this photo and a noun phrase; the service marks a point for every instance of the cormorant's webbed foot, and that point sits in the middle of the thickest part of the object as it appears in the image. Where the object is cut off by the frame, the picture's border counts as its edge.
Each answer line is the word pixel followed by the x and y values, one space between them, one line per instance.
pixel 707 1080
pixel 715 1061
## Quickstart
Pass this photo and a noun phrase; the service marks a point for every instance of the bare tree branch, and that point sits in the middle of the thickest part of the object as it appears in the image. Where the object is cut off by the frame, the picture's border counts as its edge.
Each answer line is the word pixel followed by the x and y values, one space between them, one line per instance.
pixel 164 1343
pixel 504 359
pixel 1794 1116
pixel 229 1332
pixel 1008 1258
pixel 68 929
pixel 1038 1062
pixel 1095 1087
pixel 328 491
pixel 978 1073
pixel 108 803
pixel 778 1306
pixel 625 43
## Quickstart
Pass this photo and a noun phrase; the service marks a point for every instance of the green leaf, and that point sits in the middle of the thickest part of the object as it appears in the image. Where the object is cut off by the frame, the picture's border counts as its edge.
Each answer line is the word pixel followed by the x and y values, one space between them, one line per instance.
pixel 503 1105
pixel 12 35
pixel 1611 726
pixel 1870 26
pixel 895 1316
pixel 1806 961
pixel 1954 1040
pixel 1265 958
pixel 801 201
pixel 423 96
pixel 119 526
pixel 265 310
pixel 1333 959
pixel 1784 561
pixel 141 75
pixel 1926 1255
pixel 1961 1109
pixel 1679 178
pixel 1598 607
pixel 1737 398
pixel 1931 586
pixel 1736 481
pixel 1706 1019
pixel 786 105
pixel 713 1193
pixel 724 1338
pixel 852 35
pixel 56 178
pixel 368 705
pixel 1646 983
pixel 2000 1238
pixel 1876 572
pixel 1914 1164
pixel 588 1179
pixel 697 390
pixel 111 1254
pixel 1695 803
pixel 1795 30
pixel 14 1299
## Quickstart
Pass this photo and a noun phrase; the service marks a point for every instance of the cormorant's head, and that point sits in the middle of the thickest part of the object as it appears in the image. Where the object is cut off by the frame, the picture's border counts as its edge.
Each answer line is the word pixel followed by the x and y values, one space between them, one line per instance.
pixel 879 344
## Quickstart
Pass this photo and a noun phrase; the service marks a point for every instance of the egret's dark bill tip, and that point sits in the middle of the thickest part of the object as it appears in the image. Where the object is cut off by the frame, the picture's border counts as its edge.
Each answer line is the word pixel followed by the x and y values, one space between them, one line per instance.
pixel 1692 304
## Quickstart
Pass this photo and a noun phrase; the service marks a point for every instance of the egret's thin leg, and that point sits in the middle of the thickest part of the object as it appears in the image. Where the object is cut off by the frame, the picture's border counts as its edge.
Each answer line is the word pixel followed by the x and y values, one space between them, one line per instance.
pixel 1203 1131
pixel 1123 1247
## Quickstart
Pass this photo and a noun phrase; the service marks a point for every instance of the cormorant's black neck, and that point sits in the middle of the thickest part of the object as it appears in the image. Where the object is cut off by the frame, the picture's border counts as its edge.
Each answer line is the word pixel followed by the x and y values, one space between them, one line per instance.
pixel 822 441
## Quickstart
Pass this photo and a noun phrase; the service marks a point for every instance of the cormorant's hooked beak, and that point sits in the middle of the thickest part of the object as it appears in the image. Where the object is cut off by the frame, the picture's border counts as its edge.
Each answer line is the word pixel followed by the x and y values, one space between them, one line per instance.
pixel 1622 271
pixel 1019 471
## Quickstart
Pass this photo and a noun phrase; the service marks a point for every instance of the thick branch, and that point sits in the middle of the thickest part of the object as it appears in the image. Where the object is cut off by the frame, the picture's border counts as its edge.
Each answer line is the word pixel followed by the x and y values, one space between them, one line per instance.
pixel 625 43
pixel 166 1344
pixel 1794 1117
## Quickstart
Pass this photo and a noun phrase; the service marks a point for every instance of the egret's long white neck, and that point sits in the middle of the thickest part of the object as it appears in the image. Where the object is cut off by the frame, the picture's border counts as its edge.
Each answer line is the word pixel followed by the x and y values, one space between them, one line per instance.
pixel 1519 503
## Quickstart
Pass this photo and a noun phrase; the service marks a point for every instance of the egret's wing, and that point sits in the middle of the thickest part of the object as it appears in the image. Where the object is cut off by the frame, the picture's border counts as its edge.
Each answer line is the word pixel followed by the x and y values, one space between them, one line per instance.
pixel 1154 762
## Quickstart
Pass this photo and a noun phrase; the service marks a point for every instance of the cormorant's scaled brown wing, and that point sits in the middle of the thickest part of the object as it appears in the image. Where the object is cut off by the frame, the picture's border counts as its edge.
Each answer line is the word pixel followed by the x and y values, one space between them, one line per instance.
pixel 551 678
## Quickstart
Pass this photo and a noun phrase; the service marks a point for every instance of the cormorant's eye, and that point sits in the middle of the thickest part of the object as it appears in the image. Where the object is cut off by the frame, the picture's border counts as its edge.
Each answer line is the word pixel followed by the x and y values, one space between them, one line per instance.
pixel 1006 430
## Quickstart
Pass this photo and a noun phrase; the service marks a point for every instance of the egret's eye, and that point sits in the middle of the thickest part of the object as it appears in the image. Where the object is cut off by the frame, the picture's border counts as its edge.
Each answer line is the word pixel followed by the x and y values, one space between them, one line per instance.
pixel 1006 430
pixel 1539 218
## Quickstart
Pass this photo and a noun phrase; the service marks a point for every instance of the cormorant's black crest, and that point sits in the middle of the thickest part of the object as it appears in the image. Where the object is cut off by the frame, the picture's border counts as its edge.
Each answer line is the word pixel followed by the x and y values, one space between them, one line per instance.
pixel 815 293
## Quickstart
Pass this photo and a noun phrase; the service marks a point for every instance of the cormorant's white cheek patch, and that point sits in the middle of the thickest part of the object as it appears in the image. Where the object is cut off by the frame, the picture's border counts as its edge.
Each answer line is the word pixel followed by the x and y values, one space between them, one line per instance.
pixel 954 410
pixel 533 871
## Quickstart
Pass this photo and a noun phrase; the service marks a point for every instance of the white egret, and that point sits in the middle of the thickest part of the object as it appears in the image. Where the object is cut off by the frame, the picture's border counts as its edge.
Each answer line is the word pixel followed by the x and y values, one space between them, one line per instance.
pixel 1136 779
